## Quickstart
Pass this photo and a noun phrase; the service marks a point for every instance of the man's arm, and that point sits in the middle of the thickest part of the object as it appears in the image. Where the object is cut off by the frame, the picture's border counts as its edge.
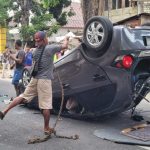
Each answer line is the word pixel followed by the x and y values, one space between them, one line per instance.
pixel 18 60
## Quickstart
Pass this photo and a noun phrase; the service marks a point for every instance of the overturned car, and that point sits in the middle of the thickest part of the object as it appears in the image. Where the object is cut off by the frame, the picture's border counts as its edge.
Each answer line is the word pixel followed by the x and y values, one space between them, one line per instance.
pixel 108 73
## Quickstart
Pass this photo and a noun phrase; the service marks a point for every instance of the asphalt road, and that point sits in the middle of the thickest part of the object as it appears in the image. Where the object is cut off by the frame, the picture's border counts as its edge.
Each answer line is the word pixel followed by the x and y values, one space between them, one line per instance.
pixel 22 124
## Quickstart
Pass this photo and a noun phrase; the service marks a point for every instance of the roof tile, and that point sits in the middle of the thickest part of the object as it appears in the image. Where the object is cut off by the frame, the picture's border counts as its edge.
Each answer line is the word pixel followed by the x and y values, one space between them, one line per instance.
pixel 75 21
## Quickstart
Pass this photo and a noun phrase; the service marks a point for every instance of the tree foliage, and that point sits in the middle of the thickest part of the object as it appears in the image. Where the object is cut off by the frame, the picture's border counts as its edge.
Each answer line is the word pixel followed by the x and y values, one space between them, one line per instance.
pixel 36 15
pixel 50 3
pixel 56 10
pixel 3 12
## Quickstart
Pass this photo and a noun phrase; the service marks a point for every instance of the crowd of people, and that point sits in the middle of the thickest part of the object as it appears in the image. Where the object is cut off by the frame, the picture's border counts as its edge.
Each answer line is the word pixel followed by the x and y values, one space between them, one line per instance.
pixel 14 61
pixel 6 63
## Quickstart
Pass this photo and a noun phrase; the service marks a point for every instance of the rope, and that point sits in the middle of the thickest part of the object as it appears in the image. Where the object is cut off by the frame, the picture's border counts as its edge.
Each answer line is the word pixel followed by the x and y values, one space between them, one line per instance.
pixel 62 100
pixel 47 137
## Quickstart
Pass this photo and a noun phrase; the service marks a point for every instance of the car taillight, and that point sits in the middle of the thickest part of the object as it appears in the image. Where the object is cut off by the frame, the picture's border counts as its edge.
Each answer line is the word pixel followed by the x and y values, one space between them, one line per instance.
pixel 127 61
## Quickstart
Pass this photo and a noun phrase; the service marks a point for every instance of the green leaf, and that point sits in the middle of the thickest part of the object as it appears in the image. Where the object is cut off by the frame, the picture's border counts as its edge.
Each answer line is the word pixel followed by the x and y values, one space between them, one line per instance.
pixel 46 15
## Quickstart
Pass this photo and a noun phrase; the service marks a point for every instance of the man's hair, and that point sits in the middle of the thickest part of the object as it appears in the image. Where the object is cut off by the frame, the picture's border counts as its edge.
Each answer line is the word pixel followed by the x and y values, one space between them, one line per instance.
pixel 41 35
pixel 18 42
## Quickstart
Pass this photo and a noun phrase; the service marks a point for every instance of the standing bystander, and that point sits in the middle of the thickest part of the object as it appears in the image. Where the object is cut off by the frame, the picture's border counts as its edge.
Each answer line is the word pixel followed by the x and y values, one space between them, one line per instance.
pixel 19 64
pixel 40 84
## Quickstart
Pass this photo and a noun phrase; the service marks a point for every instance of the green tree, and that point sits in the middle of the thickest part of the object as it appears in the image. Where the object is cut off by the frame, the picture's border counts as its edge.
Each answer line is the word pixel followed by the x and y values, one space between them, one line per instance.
pixel 3 12
pixel 43 14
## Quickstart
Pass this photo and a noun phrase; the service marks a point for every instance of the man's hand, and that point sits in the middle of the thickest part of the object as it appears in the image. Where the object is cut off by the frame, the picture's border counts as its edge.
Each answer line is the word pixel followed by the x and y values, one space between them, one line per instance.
pixel 67 38
pixel 65 43
pixel 12 66
pixel 12 56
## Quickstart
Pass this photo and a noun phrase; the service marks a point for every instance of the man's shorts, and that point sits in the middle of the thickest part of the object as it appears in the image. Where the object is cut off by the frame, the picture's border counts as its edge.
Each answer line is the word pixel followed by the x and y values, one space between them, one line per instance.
pixel 17 76
pixel 41 88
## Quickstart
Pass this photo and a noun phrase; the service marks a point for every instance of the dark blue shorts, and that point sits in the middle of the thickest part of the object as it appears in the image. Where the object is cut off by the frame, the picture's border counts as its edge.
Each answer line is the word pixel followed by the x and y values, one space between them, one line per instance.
pixel 17 76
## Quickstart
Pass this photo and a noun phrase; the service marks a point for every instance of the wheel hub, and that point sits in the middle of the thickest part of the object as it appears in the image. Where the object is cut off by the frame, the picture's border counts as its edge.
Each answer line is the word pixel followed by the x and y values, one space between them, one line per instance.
pixel 95 34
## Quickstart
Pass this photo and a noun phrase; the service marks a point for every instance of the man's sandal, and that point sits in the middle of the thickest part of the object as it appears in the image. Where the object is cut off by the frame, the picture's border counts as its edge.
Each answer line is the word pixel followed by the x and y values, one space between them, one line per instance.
pixel 49 132
pixel 2 115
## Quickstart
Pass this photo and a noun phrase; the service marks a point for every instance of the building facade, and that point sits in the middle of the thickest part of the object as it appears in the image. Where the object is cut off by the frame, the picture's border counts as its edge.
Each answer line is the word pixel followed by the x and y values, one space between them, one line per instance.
pixel 117 10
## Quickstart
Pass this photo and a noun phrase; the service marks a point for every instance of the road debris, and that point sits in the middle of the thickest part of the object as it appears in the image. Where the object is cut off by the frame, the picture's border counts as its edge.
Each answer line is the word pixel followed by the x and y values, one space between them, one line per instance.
pixel 139 132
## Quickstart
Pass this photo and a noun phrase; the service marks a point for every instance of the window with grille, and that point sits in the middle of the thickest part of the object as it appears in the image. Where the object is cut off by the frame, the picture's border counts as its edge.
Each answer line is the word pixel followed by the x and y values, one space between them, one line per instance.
pixel 113 4
pixel 106 5
pixel 127 3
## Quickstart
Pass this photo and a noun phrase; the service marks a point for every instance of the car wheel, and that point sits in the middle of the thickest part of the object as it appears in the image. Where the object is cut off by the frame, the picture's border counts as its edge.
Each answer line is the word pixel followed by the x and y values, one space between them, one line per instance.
pixel 26 77
pixel 97 36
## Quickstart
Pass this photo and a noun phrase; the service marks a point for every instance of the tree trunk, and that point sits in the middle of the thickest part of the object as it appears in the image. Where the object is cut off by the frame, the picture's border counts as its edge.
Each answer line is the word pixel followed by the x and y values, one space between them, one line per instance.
pixel 92 8
pixel 25 12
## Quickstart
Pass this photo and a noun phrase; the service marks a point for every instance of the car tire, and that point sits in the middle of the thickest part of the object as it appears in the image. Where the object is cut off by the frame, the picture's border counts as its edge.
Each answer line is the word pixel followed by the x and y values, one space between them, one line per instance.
pixel 97 36
pixel 26 76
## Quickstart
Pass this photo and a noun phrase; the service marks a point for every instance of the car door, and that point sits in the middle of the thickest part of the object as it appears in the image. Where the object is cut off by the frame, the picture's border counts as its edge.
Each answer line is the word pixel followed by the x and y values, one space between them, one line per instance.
pixel 77 74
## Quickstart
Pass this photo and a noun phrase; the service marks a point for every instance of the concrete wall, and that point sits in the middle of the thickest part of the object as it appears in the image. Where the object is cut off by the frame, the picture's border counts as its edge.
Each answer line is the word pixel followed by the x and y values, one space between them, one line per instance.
pixel 133 22
pixel 120 14
pixel 137 7
pixel 145 19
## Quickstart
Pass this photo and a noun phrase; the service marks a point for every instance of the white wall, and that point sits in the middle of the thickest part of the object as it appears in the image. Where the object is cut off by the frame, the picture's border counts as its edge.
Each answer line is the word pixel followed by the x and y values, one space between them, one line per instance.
pixel 76 1
pixel 64 31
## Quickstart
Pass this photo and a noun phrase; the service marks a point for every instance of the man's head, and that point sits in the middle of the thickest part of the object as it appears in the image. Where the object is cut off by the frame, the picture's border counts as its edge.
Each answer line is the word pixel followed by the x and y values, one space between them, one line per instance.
pixel 18 44
pixel 40 38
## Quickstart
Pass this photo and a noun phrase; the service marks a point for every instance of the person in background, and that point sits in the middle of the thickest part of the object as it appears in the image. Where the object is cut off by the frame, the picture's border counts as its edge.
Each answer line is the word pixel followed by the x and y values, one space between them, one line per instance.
pixel 5 61
pixel 19 64
pixel 28 55
pixel 40 85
